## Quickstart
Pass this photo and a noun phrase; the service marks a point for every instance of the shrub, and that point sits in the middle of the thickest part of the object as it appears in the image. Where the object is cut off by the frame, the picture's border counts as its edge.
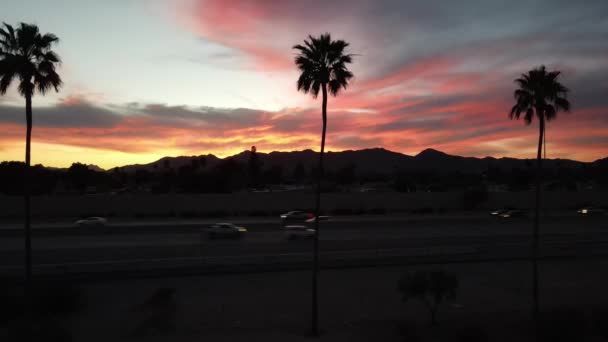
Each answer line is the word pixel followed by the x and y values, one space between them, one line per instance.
pixel 431 287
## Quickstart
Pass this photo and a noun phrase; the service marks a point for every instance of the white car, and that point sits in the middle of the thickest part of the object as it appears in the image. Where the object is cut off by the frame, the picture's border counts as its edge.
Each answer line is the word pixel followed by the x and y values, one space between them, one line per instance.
pixel 298 232
pixel 499 212
pixel 92 221
pixel 296 216
pixel 225 230
pixel 591 211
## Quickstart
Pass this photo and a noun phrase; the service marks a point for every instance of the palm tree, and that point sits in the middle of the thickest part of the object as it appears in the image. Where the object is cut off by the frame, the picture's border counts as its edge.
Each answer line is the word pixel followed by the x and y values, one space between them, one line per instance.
pixel 541 95
pixel 322 64
pixel 26 54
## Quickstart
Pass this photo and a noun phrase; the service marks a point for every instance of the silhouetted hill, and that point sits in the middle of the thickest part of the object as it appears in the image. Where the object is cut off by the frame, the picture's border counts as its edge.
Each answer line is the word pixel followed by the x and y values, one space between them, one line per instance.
pixel 602 162
pixel 173 163
pixel 374 160
pixel 95 168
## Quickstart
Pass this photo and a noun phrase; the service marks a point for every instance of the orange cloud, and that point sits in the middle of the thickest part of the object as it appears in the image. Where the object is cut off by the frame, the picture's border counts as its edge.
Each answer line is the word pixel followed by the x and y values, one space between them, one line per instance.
pixel 460 125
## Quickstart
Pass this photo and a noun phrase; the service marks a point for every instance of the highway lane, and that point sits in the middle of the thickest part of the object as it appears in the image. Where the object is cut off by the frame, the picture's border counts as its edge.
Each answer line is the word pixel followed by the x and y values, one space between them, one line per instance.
pixel 364 231
pixel 381 239
pixel 272 224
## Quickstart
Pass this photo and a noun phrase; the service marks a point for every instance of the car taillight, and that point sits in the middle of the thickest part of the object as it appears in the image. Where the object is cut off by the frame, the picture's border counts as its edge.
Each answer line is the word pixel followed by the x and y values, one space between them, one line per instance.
pixel 309 215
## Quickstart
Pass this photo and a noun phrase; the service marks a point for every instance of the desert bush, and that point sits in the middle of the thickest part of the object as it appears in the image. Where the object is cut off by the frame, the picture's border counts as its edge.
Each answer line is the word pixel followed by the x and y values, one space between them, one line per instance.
pixel 430 287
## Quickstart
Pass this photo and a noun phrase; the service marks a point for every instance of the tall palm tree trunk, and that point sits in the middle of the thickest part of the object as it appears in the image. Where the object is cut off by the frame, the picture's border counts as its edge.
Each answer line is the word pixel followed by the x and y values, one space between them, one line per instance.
pixel 315 271
pixel 26 183
pixel 535 238
pixel 26 194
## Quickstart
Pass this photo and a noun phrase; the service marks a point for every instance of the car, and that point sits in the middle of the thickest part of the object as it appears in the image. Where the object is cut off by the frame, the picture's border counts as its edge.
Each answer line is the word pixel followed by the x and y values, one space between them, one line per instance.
pixel 321 218
pixel 514 213
pixel 293 232
pixel 296 216
pixel 225 230
pixel 591 211
pixel 92 221
pixel 499 212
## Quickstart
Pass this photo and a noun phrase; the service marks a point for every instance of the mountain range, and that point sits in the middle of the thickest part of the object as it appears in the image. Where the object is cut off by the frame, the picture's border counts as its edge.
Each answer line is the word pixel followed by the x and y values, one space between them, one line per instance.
pixel 374 160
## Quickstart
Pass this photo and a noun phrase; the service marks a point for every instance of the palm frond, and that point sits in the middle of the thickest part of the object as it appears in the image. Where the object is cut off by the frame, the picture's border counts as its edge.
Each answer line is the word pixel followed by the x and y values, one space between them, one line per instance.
pixel 26 37
pixel 562 104
pixel 322 61
pixel 550 112
pixel 539 92
pixel 8 41
pixel 529 115
pixel 8 71
pixel 316 87
pixel 46 41
pixel 26 88
pixel 25 54
pixel 515 112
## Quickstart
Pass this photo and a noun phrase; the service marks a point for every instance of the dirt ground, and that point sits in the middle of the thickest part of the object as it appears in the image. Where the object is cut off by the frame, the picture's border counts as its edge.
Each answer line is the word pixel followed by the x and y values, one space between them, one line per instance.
pixel 356 305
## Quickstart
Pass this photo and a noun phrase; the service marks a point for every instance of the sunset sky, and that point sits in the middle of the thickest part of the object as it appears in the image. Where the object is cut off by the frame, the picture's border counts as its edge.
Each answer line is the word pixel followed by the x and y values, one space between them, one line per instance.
pixel 149 78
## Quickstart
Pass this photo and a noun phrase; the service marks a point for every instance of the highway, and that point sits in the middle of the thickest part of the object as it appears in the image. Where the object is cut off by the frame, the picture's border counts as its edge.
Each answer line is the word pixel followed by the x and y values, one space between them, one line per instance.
pixel 344 241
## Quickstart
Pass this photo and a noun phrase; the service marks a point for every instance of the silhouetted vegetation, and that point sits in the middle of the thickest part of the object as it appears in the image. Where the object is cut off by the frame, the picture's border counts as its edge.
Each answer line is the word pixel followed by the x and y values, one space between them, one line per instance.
pixel 27 55
pixel 322 63
pixel 430 287
pixel 541 95
pixel 231 175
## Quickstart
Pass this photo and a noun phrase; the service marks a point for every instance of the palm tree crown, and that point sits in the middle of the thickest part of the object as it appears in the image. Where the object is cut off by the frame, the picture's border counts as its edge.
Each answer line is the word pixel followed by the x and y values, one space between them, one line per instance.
pixel 539 93
pixel 26 54
pixel 322 61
